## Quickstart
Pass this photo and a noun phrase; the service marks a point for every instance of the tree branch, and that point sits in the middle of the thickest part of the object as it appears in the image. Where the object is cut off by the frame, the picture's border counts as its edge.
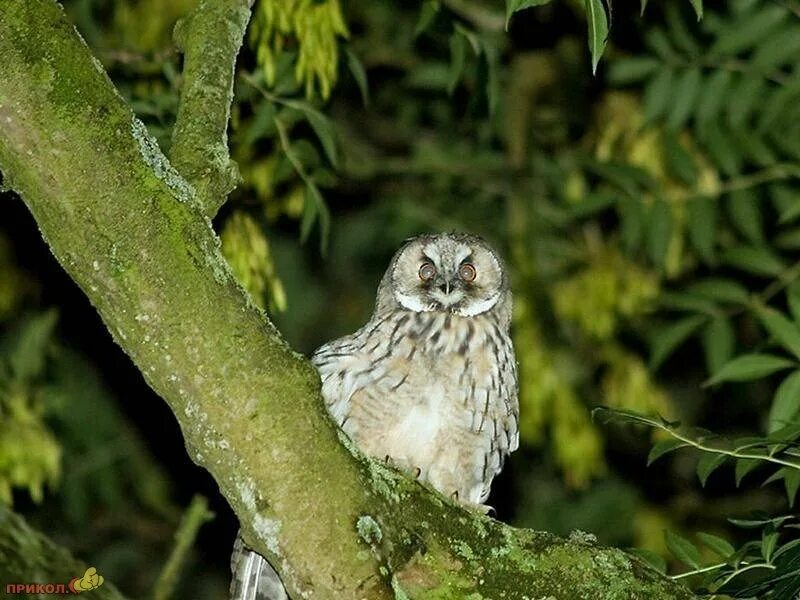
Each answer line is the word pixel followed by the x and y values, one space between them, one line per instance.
pixel 210 38
pixel 28 557
pixel 125 226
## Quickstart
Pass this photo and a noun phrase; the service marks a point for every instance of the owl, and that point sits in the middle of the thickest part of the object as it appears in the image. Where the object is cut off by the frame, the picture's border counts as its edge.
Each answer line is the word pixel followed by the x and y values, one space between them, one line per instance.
pixel 429 384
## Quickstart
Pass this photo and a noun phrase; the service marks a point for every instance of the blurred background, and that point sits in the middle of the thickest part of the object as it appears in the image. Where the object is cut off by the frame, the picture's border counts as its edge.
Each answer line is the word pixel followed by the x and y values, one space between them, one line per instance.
pixel 642 211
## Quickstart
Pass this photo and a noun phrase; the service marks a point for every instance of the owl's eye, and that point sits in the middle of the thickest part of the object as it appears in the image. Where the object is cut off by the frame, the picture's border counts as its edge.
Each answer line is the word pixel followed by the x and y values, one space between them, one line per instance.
pixel 427 271
pixel 467 272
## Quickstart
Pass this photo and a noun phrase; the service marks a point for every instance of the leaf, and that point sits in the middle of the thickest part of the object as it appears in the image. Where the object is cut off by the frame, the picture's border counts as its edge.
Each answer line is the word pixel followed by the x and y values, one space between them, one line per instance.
pixel 712 97
pixel 743 97
pixel 664 447
pixel 598 30
pixel 791 481
pixel 657 94
pixel 683 97
pixel 757 260
pixel 631 70
pixel 722 149
pixel 668 339
pixel 719 340
pixel 750 366
pixel 458 51
pixel 679 162
pixel 632 214
pixel 513 6
pixel 703 226
pixel 659 232
pixel 493 88
pixel 28 352
pixel 749 30
pixel 428 12
pixel 682 549
pixel 719 546
pixel 769 539
pixel 779 48
pixel 359 74
pixel 782 329
pixel 745 214
pixel 707 464
pixel 793 299
pixel 786 403
pixel 698 8
pixel 314 208
pixel 718 288
pixel 323 128
pixel 743 467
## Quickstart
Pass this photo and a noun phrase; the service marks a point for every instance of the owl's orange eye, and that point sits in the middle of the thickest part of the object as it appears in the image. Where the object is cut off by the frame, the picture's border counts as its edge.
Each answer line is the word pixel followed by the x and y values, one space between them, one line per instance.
pixel 467 272
pixel 427 271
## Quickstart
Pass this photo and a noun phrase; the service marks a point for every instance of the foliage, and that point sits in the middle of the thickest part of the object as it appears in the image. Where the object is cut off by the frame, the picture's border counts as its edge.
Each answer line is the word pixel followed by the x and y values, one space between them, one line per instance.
pixel 649 215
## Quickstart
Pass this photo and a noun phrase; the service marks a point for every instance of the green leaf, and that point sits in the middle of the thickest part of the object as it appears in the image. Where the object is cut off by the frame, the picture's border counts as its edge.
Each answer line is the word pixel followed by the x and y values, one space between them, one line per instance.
pixel 722 149
pixel 717 288
pixel 746 214
pixel 743 98
pixel 323 128
pixel 793 299
pixel 719 546
pixel 707 464
pixel 750 366
pixel 29 350
pixel 668 339
pixel 749 30
pixel 493 88
pixel 315 209
pixel 659 232
pixel 427 14
pixel 780 48
pixel 359 74
pixel 703 226
pixel 719 340
pixel 757 260
pixel 744 466
pixel 791 481
pixel 458 52
pixel 598 30
pixel 786 403
pixel 682 549
pixel 657 94
pixel 633 217
pixel 698 8
pixel 513 6
pixel 769 539
pixel 678 160
pixel 683 97
pixel 631 70
pixel 712 98
pixel 782 329
pixel 664 447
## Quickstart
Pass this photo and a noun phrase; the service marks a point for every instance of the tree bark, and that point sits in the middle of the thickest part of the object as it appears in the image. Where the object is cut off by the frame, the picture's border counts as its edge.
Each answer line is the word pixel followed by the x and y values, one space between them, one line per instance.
pixel 132 233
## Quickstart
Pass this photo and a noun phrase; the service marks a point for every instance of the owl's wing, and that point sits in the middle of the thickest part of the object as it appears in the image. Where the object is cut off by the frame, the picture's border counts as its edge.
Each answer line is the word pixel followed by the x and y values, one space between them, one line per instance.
pixel 253 578
pixel 496 414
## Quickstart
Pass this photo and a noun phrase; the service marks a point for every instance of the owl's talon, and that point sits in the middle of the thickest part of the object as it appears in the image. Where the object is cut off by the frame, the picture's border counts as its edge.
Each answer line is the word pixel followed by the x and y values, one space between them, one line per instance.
pixel 388 460
pixel 416 472
pixel 490 511
pixel 454 496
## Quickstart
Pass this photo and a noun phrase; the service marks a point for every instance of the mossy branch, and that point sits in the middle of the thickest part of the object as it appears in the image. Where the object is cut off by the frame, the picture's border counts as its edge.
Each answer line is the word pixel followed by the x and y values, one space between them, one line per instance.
pixel 28 557
pixel 210 38
pixel 126 227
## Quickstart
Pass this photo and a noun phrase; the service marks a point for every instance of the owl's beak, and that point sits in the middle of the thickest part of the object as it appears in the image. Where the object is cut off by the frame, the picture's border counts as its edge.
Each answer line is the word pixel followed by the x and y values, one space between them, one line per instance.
pixel 445 287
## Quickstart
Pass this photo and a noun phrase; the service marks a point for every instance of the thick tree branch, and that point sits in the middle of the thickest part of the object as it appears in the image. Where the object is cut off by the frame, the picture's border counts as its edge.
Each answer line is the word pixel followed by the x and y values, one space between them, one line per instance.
pixel 210 38
pixel 28 557
pixel 125 226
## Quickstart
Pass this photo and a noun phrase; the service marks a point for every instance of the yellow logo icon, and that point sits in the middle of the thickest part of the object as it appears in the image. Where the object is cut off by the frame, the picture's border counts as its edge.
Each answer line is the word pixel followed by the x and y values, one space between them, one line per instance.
pixel 90 580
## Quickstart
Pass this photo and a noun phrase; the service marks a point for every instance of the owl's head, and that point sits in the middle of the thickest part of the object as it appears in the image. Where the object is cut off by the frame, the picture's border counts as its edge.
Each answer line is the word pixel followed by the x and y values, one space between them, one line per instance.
pixel 448 272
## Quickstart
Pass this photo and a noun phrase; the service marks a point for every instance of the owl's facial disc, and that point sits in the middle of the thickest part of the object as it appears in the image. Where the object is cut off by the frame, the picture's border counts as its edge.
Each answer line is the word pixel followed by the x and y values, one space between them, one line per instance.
pixel 448 275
